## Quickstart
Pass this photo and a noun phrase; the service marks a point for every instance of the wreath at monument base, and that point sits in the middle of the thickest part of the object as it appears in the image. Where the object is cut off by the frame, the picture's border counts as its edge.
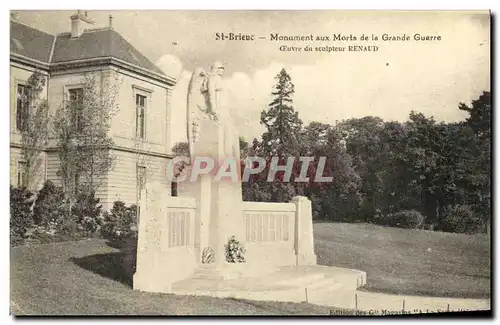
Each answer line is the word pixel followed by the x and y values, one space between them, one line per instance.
pixel 207 256
pixel 235 252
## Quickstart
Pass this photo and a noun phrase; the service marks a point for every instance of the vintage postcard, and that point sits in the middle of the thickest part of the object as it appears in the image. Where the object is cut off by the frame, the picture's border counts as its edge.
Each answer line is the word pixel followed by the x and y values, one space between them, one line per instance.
pixel 331 163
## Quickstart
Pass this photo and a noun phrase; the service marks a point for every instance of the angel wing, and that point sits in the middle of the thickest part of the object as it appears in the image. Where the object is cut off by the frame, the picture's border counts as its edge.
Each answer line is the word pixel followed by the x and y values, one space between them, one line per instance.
pixel 195 103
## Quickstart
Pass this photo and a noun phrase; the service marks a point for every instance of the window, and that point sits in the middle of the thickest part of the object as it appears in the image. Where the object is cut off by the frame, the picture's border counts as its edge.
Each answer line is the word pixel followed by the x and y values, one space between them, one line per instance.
pixel 76 102
pixel 22 180
pixel 22 107
pixel 140 126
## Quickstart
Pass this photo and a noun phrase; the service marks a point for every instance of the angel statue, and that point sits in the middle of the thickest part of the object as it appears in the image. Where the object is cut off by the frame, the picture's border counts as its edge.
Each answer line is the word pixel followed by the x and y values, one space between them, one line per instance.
pixel 204 102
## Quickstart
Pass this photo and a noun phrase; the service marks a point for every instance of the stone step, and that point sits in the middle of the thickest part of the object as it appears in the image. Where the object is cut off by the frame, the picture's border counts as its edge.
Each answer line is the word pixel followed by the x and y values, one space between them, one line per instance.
pixel 352 282
pixel 320 285
pixel 324 284
pixel 207 277
pixel 207 273
pixel 204 270
pixel 332 284
pixel 292 295
pixel 302 280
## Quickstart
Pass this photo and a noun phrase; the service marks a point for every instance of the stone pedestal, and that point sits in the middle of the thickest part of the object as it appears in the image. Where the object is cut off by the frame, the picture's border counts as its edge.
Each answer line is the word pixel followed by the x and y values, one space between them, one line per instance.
pixel 219 202
pixel 155 271
pixel 304 240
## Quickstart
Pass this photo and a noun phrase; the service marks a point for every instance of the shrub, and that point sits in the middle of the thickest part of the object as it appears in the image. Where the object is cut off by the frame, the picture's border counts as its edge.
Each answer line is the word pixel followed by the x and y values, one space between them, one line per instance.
pixel 460 219
pixel 129 256
pixel 119 221
pixel 87 212
pixel 20 214
pixel 50 205
pixel 234 251
pixel 68 229
pixel 41 236
pixel 410 219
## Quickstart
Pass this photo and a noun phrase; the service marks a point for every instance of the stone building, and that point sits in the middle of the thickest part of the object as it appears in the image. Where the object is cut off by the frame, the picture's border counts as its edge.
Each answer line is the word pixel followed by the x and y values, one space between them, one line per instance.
pixel 140 129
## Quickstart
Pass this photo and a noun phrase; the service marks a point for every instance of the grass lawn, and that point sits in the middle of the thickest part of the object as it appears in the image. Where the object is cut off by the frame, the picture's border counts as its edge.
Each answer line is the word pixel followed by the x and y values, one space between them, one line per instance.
pixel 398 260
pixel 84 278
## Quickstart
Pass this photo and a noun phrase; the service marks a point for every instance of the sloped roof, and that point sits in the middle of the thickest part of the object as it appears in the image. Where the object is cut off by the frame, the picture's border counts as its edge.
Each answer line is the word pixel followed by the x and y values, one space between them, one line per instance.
pixel 99 43
pixel 30 42
pixel 93 43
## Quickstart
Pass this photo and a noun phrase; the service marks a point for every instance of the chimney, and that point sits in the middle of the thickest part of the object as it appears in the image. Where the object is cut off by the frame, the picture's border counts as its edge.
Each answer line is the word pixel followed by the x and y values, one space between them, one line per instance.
pixel 80 22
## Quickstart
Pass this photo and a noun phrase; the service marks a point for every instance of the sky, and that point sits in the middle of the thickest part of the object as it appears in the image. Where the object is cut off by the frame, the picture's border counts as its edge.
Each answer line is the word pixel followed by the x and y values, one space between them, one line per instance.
pixel 431 77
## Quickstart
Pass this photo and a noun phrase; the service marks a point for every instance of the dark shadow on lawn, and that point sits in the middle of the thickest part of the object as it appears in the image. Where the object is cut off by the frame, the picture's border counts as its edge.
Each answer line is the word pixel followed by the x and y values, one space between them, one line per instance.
pixel 123 244
pixel 119 266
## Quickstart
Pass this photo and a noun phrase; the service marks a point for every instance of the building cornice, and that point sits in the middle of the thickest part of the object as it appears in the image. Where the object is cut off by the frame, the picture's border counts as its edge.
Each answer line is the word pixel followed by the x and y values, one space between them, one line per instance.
pixel 142 152
pixel 29 61
pixel 108 60
pixel 114 147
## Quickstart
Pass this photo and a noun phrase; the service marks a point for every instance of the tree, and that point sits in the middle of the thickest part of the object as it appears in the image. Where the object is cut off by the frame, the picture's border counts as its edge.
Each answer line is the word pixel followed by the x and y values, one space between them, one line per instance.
pixel 281 139
pixel 244 147
pixel 281 120
pixel 81 129
pixel 479 121
pixel 363 142
pixel 34 121
pixel 339 199
pixel 479 115
pixel 181 149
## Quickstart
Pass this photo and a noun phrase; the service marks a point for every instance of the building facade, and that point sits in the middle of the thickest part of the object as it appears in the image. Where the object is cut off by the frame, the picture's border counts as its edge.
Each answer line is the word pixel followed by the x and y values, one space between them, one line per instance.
pixel 140 126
